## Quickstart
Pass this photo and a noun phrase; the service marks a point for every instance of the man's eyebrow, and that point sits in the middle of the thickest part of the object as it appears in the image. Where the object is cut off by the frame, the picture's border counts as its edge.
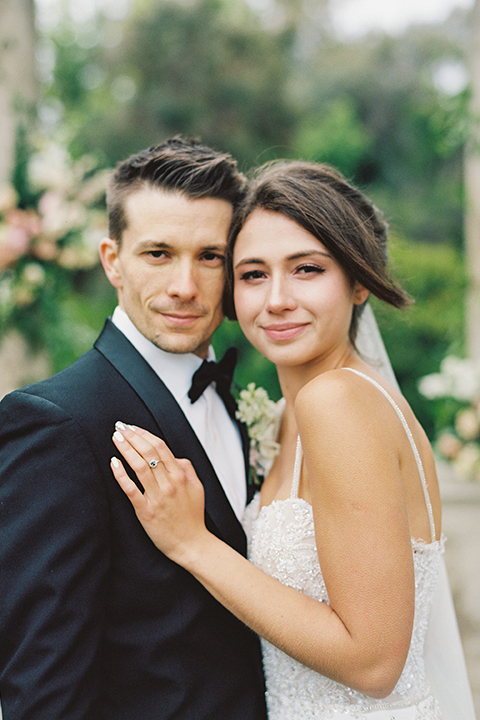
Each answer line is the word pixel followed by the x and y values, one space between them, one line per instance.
pixel 163 245
pixel 160 245
pixel 216 248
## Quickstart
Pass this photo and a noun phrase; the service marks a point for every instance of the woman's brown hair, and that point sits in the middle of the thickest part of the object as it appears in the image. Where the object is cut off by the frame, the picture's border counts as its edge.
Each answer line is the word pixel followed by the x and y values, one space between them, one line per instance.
pixel 319 199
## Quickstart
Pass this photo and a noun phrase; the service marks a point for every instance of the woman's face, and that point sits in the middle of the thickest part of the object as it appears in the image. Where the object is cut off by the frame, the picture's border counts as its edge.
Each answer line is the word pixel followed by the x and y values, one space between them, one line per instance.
pixel 293 300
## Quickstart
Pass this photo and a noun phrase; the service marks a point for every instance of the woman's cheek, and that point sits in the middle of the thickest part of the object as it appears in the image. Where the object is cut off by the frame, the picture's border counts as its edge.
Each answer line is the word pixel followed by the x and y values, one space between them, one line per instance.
pixel 244 309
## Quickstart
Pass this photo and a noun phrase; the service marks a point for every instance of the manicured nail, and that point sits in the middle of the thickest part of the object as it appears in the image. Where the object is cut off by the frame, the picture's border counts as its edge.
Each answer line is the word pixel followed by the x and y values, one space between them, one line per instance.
pixel 118 436
pixel 120 426
pixel 133 428
pixel 115 462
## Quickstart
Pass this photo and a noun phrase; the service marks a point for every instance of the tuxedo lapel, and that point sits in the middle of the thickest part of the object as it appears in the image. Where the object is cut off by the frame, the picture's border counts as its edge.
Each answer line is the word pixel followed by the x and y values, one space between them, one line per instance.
pixel 246 453
pixel 174 428
pixel 242 428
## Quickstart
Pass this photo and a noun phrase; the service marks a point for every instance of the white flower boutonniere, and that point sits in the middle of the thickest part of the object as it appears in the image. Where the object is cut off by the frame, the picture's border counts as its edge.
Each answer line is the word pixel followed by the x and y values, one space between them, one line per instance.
pixel 262 416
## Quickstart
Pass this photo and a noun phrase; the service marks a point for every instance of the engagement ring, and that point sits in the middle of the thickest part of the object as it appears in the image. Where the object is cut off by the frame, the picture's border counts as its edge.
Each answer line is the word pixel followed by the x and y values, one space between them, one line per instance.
pixel 153 463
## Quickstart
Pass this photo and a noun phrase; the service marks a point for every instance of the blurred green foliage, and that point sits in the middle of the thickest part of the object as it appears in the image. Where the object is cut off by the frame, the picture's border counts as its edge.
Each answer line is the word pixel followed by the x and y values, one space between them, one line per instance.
pixel 417 339
pixel 266 80
pixel 206 68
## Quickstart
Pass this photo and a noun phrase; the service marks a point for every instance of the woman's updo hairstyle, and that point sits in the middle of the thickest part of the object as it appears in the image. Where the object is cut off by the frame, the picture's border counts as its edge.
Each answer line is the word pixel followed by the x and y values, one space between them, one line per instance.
pixel 319 199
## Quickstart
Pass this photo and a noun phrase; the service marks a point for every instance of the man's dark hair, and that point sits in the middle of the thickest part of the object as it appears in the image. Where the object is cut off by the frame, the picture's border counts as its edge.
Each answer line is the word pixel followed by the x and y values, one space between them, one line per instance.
pixel 176 165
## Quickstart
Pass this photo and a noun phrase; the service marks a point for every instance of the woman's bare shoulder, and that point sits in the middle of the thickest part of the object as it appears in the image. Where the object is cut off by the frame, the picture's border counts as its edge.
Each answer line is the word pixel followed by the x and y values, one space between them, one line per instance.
pixel 341 404
pixel 333 389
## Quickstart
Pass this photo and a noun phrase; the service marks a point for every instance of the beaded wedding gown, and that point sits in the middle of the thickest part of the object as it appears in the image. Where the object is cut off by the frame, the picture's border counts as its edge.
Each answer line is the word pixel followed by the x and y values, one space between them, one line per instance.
pixel 281 541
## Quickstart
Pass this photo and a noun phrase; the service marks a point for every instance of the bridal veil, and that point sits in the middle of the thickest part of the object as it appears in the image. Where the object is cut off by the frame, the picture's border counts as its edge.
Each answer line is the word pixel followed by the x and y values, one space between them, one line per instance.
pixel 445 661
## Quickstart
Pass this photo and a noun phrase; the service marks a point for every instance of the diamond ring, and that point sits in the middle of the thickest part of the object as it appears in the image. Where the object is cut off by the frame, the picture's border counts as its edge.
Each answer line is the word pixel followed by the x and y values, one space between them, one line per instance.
pixel 153 463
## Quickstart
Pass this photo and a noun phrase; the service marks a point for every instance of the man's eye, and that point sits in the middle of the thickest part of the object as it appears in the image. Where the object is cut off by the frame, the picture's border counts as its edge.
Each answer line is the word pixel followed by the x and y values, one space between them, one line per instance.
pixel 157 253
pixel 212 257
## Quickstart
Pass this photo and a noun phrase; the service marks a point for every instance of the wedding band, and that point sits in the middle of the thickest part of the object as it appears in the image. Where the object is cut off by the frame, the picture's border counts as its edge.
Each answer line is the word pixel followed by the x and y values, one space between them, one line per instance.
pixel 153 463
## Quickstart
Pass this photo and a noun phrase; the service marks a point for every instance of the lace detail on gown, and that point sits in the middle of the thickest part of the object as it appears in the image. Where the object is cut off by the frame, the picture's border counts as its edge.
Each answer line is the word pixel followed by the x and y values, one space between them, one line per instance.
pixel 281 541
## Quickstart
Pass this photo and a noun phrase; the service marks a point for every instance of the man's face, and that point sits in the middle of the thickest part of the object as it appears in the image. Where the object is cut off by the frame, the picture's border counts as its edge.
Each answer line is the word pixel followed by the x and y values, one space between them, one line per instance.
pixel 169 270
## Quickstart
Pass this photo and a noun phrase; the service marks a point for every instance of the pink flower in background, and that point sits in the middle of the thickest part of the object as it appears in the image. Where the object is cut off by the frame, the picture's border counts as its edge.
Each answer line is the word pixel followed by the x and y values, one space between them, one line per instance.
pixel 16 234
pixel 449 445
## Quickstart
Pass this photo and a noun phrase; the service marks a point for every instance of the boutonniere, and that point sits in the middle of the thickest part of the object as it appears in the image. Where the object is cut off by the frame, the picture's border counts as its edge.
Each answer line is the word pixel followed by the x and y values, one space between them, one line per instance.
pixel 262 416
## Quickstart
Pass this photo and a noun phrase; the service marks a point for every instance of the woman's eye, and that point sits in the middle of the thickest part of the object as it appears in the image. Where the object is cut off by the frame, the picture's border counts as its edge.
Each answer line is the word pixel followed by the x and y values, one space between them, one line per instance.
pixel 252 275
pixel 306 269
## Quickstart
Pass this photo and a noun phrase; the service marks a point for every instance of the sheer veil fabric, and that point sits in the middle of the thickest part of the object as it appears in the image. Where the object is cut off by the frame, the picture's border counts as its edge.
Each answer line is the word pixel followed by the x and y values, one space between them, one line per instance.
pixel 444 658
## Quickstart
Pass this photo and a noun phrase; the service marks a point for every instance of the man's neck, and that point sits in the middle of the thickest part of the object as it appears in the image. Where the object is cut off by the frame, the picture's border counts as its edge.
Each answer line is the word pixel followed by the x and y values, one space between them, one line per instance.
pixel 175 369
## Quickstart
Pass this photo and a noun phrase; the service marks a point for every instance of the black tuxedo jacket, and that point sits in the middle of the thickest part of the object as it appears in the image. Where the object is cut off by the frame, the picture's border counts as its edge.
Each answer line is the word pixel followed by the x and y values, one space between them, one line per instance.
pixel 94 621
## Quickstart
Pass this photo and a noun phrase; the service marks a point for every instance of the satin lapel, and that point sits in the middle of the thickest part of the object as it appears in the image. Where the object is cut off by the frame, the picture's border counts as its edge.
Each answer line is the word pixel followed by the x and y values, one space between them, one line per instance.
pixel 242 428
pixel 174 427
pixel 246 454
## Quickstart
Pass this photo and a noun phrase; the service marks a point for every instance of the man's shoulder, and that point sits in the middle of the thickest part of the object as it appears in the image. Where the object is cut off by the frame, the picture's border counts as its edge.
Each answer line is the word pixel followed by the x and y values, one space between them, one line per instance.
pixel 101 378
pixel 84 378
pixel 78 372
pixel 62 388
pixel 91 368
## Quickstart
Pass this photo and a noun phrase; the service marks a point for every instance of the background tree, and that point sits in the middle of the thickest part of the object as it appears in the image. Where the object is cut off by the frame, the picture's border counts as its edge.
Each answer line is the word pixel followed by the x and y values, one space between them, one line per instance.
pixel 472 189
pixel 18 84
pixel 266 80
pixel 206 68
pixel 18 97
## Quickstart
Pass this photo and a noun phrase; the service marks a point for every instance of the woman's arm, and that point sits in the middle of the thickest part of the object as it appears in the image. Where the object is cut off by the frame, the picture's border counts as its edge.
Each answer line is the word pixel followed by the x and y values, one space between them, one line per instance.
pixel 360 640
pixel 353 444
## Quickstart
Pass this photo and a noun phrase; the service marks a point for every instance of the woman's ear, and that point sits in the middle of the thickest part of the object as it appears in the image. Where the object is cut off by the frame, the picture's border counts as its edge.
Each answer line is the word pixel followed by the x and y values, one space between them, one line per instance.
pixel 111 264
pixel 360 294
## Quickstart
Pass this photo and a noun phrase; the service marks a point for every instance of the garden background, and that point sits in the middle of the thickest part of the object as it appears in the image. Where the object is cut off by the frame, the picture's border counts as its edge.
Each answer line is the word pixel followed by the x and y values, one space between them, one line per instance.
pixel 84 83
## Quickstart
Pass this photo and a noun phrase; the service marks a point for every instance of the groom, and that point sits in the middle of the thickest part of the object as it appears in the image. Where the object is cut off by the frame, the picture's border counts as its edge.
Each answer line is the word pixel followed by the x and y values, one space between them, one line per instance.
pixel 95 623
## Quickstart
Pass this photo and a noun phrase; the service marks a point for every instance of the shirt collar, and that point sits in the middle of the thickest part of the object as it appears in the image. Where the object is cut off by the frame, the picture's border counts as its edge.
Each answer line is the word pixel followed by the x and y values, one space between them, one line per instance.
pixel 175 369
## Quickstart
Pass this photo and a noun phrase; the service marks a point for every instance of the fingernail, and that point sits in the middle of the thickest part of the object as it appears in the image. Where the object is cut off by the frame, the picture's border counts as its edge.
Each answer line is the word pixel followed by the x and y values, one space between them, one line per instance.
pixel 115 462
pixel 118 436
pixel 120 426
pixel 132 428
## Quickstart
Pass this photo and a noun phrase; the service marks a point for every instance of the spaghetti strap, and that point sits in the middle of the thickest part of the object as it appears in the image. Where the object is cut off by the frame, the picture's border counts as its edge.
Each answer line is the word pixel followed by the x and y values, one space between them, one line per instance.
pixel 412 443
pixel 296 470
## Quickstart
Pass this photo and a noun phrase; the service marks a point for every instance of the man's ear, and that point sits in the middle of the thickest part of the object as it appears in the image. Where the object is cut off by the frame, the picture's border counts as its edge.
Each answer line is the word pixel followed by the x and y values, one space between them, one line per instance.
pixel 109 256
pixel 360 294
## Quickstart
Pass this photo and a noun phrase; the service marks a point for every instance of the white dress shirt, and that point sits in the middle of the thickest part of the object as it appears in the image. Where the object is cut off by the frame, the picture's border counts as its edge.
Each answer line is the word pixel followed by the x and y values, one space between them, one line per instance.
pixel 208 416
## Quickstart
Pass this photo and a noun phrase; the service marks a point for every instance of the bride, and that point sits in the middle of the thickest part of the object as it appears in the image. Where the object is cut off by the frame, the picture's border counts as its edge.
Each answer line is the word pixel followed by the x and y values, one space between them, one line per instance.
pixel 345 545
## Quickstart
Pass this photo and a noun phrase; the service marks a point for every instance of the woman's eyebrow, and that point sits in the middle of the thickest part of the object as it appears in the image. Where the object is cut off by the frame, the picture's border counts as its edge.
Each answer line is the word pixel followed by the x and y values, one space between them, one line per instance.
pixel 308 253
pixel 294 256
pixel 250 261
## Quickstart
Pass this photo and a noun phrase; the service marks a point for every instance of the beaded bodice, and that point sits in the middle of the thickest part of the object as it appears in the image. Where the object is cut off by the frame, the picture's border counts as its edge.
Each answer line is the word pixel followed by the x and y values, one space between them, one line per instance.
pixel 281 541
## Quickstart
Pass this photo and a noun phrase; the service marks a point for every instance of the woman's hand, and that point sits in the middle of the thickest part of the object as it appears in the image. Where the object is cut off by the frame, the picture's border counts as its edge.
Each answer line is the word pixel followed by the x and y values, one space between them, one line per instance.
pixel 171 509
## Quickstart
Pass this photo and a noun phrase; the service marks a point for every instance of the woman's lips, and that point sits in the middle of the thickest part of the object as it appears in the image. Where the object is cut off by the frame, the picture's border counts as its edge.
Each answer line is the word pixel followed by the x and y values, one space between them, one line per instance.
pixel 284 331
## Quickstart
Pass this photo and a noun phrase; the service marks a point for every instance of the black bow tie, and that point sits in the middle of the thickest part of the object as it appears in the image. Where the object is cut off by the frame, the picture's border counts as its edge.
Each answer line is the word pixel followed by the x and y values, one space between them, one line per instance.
pixel 221 373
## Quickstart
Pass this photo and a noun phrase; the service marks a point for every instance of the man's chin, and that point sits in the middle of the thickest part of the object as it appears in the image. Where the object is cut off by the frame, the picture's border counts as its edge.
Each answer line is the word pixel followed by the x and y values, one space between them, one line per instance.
pixel 181 345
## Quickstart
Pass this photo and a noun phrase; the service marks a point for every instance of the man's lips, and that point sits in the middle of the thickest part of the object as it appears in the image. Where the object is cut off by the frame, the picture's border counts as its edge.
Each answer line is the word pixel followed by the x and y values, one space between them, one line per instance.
pixel 180 319
pixel 284 331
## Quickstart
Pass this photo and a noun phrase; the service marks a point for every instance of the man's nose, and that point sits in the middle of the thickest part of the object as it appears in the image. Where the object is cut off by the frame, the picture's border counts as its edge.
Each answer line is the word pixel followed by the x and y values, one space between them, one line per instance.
pixel 183 282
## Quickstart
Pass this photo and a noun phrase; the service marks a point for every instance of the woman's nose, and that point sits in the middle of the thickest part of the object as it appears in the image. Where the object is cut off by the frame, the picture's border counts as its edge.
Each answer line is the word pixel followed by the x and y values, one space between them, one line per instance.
pixel 280 296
